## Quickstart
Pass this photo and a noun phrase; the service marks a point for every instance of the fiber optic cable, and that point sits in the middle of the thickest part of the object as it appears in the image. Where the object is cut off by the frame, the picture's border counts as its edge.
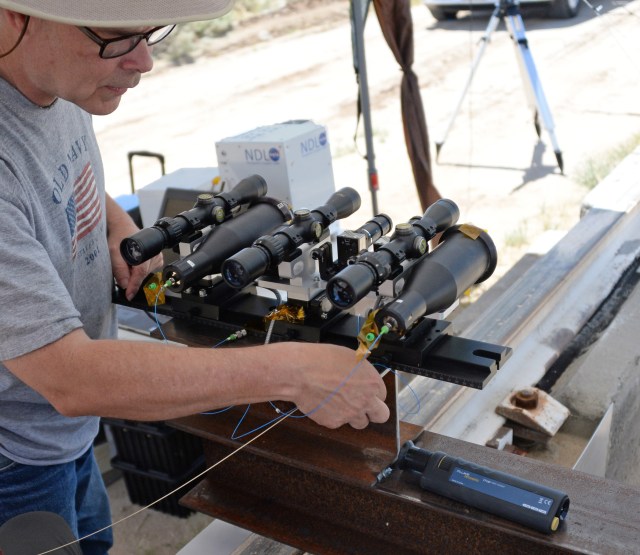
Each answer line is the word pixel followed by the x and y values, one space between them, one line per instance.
pixel 190 481
pixel 324 402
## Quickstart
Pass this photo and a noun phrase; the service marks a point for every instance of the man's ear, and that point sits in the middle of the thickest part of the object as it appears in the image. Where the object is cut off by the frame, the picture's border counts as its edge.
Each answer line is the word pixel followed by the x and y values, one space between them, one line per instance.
pixel 17 20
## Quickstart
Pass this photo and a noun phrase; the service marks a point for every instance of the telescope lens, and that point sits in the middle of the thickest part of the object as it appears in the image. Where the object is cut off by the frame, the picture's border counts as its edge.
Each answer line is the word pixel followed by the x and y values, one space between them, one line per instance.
pixel 245 266
pixel 345 201
pixel 340 293
pixel 350 285
pixel 143 245
pixel 250 188
pixel 132 252
pixel 235 274
pixel 467 255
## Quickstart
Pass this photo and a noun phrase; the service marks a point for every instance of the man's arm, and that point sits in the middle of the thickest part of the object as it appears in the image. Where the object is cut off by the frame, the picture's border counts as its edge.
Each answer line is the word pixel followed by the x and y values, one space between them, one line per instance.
pixel 147 381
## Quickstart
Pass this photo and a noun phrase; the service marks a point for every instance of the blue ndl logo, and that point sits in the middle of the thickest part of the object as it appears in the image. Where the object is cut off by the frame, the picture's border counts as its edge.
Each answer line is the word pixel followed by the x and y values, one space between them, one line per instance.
pixel 313 144
pixel 259 155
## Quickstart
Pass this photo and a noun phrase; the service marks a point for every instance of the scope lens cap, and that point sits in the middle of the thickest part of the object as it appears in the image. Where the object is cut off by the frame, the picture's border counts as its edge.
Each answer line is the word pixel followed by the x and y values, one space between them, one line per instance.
pixel 131 251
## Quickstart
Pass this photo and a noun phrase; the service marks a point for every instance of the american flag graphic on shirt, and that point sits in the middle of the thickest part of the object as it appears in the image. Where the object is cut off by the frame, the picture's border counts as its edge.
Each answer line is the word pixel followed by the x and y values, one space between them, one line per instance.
pixel 83 207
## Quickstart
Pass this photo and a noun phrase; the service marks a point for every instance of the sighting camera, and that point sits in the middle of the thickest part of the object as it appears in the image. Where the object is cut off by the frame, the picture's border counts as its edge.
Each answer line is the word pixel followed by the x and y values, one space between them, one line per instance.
pixel 328 287
pixel 372 268
pixel 208 210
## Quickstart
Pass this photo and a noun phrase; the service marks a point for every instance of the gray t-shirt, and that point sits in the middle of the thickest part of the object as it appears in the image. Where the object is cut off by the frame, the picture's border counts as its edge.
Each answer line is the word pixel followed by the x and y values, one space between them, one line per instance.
pixel 56 272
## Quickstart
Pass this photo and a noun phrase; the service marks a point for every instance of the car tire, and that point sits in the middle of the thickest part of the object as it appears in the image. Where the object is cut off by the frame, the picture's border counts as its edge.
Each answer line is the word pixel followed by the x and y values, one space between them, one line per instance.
pixel 564 9
pixel 440 14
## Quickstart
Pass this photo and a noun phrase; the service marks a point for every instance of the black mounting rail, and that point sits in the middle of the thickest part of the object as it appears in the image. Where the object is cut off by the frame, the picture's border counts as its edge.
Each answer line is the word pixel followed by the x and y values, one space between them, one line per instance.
pixel 426 350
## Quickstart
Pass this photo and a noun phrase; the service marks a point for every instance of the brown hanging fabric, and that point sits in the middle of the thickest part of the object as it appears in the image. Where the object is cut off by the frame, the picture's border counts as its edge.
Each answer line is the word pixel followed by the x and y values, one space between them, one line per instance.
pixel 397 27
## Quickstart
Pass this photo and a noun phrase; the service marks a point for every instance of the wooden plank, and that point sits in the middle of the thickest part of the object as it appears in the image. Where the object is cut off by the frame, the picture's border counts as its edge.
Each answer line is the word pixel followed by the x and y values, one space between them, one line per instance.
pixel 259 545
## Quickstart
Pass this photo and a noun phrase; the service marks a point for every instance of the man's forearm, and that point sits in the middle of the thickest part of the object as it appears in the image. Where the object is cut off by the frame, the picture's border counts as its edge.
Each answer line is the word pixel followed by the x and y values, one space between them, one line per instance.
pixel 147 381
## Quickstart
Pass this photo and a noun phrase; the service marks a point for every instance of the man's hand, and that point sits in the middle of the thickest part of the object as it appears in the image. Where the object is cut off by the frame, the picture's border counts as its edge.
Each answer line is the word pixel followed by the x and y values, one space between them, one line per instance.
pixel 119 226
pixel 336 388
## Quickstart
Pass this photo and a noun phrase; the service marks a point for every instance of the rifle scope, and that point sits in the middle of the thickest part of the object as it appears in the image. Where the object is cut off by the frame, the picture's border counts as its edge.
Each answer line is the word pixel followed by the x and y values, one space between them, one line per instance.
pixel 409 240
pixel 224 240
pixel 308 226
pixel 352 243
pixel 465 255
pixel 209 209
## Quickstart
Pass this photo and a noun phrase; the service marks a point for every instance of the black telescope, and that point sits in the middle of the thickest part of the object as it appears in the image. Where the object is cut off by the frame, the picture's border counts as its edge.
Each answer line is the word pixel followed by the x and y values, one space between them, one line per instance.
pixel 409 241
pixel 308 226
pixel 209 209
pixel 224 240
pixel 352 243
pixel 528 503
pixel 465 255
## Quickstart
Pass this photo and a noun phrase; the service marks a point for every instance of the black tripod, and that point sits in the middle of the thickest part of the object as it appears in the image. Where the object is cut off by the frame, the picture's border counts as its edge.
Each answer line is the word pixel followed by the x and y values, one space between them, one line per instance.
pixel 509 11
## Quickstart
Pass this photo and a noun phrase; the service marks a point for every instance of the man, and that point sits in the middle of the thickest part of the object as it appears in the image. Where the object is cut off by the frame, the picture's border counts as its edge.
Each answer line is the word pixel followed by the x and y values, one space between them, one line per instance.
pixel 61 61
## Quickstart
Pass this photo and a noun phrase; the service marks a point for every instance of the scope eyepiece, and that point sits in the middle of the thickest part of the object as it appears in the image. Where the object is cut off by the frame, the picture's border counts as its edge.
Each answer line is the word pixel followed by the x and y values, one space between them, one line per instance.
pixel 209 209
pixel 250 263
pixel 353 283
pixel 148 242
pixel 350 285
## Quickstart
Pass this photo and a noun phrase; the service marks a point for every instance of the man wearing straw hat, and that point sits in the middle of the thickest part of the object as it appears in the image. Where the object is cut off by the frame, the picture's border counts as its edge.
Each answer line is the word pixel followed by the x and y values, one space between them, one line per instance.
pixel 60 62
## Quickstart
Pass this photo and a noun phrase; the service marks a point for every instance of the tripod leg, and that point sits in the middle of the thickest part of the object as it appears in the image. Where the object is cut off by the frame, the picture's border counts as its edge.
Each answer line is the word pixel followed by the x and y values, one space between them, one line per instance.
pixel 491 27
pixel 533 86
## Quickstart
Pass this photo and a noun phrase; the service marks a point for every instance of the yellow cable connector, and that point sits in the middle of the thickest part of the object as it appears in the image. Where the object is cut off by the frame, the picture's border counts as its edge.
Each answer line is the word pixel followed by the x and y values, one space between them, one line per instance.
pixel 154 289
pixel 366 336
pixel 292 314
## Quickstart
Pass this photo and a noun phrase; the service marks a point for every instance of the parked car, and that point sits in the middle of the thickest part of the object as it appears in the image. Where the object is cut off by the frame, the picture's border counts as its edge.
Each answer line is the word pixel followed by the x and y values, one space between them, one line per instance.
pixel 444 10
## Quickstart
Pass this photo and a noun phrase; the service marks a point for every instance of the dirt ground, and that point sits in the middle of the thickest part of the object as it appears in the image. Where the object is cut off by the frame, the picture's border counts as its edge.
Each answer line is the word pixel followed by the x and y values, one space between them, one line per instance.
pixel 492 164
pixel 298 65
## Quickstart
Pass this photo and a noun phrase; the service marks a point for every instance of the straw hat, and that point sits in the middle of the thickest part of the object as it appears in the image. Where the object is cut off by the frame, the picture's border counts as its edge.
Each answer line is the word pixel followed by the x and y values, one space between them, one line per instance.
pixel 120 13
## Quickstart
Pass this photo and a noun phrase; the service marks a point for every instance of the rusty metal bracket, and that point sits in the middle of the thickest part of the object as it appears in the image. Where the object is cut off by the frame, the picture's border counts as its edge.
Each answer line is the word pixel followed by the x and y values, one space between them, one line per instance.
pixel 534 409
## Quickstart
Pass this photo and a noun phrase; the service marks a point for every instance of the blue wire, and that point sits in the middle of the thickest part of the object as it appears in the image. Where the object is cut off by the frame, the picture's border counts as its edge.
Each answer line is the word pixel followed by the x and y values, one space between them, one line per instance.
pixel 279 417
pixel 305 415
pixel 331 395
pixel 326 400
pixel 155 313
pixel 220 343
pixel 219 411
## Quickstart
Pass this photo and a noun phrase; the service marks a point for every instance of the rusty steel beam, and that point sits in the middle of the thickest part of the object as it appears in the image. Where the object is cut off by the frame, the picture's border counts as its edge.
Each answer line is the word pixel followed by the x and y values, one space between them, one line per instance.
pixel 315 490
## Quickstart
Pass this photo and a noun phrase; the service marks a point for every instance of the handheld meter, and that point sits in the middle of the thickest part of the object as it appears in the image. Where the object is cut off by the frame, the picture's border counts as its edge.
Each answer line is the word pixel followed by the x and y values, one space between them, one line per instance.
pixel 530 504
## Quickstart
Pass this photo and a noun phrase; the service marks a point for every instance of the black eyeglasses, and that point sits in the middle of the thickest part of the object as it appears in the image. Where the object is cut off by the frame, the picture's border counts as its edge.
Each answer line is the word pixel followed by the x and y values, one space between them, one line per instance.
pixel 119 46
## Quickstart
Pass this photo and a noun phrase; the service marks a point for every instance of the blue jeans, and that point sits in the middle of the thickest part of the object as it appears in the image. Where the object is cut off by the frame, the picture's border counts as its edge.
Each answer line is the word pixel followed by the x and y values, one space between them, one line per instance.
pixel 73 490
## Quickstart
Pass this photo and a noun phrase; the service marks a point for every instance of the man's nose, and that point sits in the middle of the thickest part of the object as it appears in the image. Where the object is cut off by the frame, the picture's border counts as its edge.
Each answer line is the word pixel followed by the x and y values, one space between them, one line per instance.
pixel 139 58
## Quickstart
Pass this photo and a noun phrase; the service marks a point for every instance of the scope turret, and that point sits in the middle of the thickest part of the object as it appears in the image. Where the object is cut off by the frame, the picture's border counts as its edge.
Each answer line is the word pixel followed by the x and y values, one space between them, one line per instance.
pixel 409 241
